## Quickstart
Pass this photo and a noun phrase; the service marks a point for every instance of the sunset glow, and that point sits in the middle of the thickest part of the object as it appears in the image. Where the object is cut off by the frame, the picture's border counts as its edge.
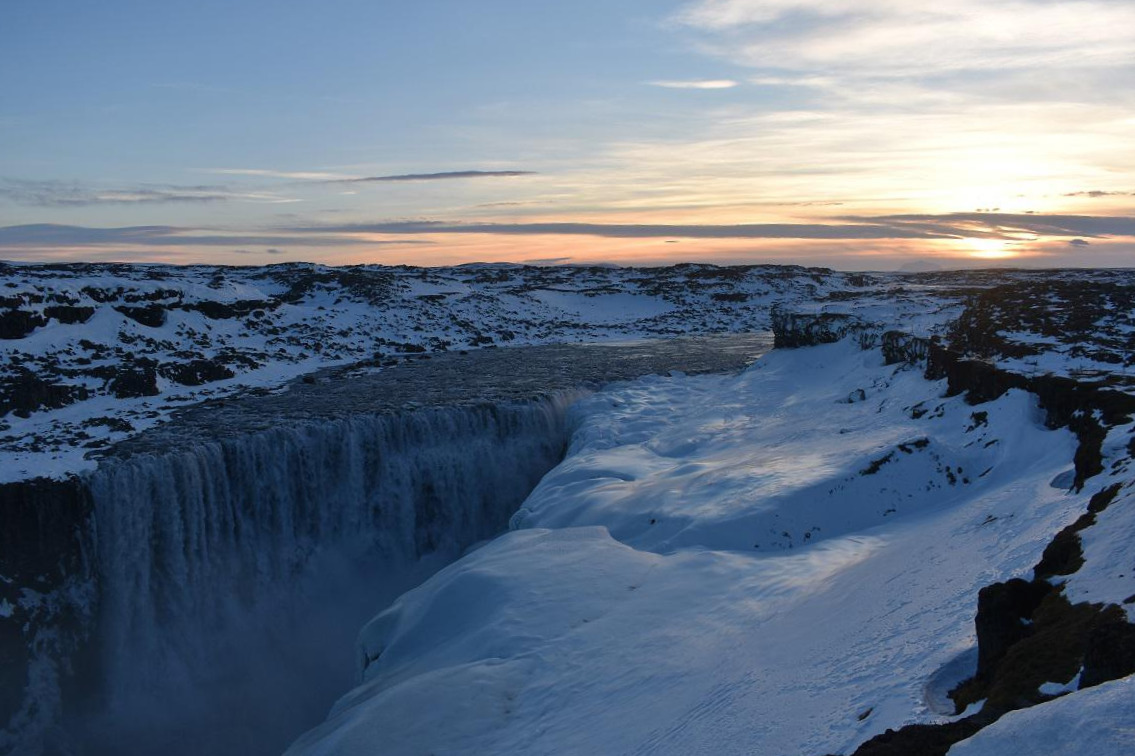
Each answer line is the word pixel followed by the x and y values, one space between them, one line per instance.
pixel 990 249
pixel 867 134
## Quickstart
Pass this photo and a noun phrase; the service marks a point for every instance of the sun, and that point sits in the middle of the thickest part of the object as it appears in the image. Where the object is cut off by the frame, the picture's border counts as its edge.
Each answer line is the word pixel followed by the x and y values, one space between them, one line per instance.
pixel 989 249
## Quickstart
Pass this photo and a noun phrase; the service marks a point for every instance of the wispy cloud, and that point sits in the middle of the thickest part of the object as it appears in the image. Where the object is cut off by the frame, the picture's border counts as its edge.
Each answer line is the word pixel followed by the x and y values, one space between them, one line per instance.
pixel 1096 194
pixel 443 176
pixel 897 38
pixel 49 235
pixel 1009 225
pixel 331 177
pixel 292 175
pixel 65 194
pixel 695 84
pixel 639 230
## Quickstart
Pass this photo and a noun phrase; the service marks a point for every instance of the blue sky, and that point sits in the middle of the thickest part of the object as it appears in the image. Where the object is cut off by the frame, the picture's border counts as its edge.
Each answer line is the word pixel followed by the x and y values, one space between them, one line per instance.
pixel 625 131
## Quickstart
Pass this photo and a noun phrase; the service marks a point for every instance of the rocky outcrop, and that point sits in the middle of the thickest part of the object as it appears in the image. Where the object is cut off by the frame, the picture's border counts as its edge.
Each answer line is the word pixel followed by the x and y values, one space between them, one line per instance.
pixel 43 527
pixel 137 379
pixel 16 324
pixel 151 316
pixel 922 740
pixel 1028 632
pixel 224 311
pixel 195 372
pixel 69 314
pixel 793 330
pixel 899 347
pixel 25 393
pixel 1109 652
pixel 1084 408
pixel 1003 618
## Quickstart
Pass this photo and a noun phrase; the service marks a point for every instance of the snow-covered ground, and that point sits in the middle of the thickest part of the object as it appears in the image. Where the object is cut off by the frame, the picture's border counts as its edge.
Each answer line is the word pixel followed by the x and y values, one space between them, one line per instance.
pixel 93 354
pixel 1099 721
pixel 780 562
pixel 785 561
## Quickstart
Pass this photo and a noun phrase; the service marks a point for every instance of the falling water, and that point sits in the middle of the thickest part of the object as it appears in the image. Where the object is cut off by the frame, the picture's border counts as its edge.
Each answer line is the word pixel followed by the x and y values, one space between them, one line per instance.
pixel 230 557
pixel 216 560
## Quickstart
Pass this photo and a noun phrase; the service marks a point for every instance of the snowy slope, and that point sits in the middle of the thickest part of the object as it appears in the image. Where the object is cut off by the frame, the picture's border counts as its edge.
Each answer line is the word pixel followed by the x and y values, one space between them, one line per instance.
pixel 1097 721
pixel 751 564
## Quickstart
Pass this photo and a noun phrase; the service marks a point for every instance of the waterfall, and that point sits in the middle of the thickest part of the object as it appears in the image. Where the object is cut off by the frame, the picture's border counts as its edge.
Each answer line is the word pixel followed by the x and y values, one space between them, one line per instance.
pixel 215 561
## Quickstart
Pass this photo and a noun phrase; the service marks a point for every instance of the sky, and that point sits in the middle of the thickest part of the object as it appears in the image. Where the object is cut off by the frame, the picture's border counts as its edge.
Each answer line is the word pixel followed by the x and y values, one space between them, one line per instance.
pixel 854 134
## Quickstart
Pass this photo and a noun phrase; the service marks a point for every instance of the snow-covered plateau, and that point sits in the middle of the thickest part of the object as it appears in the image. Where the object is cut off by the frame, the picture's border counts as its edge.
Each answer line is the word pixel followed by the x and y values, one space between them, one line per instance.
pixel 908 529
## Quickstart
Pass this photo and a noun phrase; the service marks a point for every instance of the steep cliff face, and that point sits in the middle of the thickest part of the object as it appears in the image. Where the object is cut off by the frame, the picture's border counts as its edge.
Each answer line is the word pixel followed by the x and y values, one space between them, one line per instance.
pixel 211 572
pixel 162 576
pixel 45 594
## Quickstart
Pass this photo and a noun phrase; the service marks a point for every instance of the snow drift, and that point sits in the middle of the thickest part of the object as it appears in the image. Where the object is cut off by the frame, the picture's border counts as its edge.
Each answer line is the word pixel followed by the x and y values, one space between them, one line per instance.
pixel 779 562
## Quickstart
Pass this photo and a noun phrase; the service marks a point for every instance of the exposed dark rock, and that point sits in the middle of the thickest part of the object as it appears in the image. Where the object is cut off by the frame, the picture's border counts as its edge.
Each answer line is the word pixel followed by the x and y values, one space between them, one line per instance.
pixel 1109 652
pixel 731 296
pixel 133 380
pixel 41 522
pixel 877 464
pixel 921 740
pixel 69 314
pixel 793 330
pixel 979 381
pixel 1067 403
pixel 16 324
pixel 1063 555
pixel 114 423
pixel 223 311
pixel 151 316
pixel 196 372
pixel 103 295
pixel 25 393
pixel 1053 652
pixel 899 347
pixel 1002 612
pixel 157 295
pixel 1103 498
pixel 1067 312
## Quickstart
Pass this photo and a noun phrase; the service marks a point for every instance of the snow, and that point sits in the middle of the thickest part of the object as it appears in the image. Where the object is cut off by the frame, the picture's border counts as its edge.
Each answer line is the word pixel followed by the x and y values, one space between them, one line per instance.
pixel 603 308
pixel 784 561
pixel 311 317
pixel 1108 574
pixel 1097 720
pixel 1057 688
pixel 713 571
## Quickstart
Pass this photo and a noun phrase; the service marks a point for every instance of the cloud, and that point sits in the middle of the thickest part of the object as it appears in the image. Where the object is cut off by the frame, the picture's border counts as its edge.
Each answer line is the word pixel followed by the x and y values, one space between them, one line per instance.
pixel 524 203
pixel 444 176
pixel 297 175
pixel 65 194
pixel 1008 225
pixel 328 177
pixel 638 230
pixel 1096 194
pixel 900 38
pixel 696 84
pixel 1079 243
pixel 49 235
pixel 269 251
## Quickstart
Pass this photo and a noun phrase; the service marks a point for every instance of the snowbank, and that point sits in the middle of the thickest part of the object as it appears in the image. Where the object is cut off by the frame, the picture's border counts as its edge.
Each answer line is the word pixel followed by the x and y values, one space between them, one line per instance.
pixel 784 561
